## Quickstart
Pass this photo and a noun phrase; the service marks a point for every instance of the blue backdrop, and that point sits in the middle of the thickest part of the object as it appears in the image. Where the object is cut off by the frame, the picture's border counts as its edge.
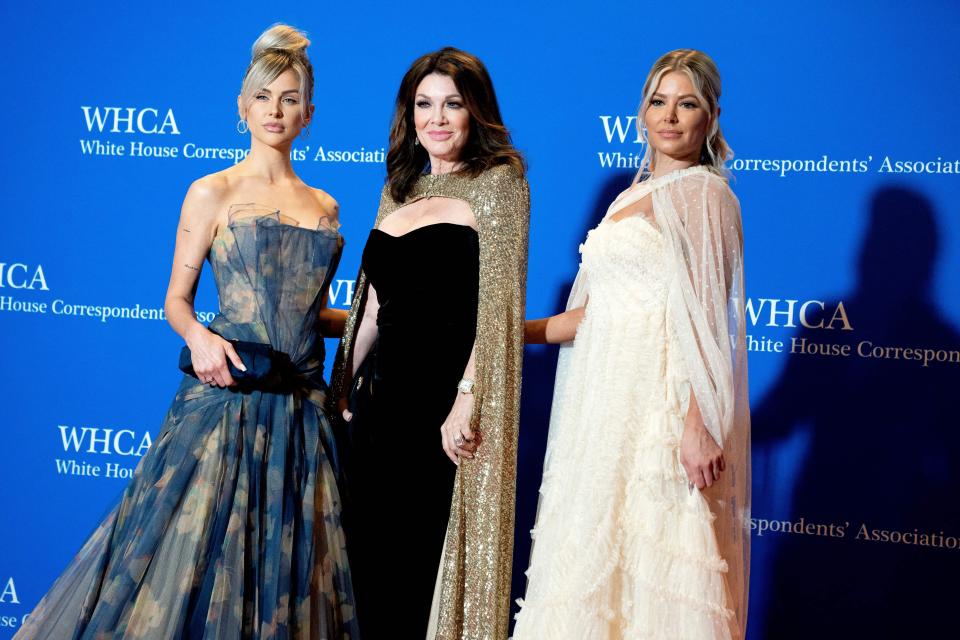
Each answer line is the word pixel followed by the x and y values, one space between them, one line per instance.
pixel 843 118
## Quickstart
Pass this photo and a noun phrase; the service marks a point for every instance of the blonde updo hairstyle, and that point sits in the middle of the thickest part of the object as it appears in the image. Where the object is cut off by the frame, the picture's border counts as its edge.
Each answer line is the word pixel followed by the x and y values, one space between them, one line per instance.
pixel 279 48
pixel 705 77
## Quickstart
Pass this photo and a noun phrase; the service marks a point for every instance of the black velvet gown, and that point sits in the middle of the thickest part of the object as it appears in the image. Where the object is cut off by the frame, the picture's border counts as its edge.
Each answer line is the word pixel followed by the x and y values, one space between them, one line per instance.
pixel 400 481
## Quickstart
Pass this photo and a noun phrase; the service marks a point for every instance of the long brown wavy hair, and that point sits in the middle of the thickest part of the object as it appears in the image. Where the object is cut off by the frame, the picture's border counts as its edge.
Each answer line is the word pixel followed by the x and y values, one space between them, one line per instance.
pixel 488 143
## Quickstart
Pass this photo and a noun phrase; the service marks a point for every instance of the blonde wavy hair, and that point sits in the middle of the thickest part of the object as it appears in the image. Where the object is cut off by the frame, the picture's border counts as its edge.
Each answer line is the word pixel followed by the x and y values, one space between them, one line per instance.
pixel 703 73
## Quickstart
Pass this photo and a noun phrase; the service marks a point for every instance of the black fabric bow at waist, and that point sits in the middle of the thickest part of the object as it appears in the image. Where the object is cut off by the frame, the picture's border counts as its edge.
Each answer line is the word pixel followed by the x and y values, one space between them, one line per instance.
pixel 266 369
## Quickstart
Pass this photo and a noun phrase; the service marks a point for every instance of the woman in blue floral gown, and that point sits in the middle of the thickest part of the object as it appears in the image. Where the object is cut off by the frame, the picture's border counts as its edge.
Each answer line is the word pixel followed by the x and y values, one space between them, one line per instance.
pixel 231 526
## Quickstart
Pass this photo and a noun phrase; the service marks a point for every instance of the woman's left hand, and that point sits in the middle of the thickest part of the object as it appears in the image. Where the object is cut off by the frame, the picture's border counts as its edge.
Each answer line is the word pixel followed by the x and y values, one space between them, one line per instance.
pixel 700 455
pixel 458 440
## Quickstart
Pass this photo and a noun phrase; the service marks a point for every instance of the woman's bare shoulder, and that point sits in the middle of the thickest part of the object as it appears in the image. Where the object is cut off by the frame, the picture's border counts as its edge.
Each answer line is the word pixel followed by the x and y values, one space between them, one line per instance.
pixel 206 198
pixel 327 205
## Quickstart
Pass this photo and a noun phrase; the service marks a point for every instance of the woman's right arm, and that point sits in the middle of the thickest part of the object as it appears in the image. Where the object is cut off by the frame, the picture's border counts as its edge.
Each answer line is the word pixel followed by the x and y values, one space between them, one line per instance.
pixel 363 340
pixel 367 332
pixel 555 329
pixel 195 232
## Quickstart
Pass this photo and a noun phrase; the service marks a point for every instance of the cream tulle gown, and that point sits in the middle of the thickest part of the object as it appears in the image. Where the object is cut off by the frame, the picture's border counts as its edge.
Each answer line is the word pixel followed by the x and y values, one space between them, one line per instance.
pixel 622 547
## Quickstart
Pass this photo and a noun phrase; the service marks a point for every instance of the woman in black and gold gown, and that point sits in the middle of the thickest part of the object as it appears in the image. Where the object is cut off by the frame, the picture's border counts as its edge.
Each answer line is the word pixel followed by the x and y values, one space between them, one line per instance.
pixel 419 362
pixel 439 306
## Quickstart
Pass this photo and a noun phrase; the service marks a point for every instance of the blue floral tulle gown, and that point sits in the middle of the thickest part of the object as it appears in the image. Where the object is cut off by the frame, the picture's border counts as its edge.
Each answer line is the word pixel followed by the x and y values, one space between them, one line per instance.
pixel 231 526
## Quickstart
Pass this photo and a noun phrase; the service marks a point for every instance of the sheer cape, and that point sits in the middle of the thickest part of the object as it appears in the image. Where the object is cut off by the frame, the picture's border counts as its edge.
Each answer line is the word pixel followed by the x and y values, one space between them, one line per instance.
pixel 699 216
pixel 472 599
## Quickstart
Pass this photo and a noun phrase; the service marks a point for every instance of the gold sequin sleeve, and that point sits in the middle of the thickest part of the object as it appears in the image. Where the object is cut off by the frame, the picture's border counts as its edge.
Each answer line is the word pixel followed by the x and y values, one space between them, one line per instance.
pixel 478 554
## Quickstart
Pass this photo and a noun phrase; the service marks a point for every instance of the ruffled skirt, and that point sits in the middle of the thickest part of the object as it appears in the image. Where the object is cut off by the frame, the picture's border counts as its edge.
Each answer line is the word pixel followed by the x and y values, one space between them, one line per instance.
pixel 622 547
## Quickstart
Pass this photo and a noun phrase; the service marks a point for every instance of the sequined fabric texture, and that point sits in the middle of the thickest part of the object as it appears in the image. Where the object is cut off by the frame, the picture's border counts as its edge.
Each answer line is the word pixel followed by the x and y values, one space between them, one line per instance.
pixel 474 590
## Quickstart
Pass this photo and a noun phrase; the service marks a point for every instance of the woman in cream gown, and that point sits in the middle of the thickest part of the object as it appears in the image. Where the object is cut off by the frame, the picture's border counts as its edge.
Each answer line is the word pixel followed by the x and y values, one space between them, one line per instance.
pixel 643 524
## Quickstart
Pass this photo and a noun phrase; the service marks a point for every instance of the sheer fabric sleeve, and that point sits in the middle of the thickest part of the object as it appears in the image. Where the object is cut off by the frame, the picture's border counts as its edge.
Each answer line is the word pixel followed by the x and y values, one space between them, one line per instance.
pixel 700 218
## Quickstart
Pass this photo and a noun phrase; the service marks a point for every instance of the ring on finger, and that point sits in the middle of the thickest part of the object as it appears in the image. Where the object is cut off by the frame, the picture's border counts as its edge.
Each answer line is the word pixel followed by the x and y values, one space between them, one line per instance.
pixel 458 440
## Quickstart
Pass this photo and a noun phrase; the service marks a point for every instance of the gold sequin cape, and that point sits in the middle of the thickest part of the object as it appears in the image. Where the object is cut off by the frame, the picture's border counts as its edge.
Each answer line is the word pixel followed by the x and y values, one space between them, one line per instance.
pixel 474 585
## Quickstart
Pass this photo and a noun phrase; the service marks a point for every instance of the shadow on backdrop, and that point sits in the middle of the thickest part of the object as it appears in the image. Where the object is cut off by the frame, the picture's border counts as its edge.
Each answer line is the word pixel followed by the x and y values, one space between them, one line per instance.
pixel 878 449
pixel 539 370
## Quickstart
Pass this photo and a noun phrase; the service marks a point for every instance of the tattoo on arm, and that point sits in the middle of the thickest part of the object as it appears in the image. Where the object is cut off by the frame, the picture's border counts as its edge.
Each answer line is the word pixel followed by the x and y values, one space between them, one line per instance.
pixel 187 230
pixel 190 266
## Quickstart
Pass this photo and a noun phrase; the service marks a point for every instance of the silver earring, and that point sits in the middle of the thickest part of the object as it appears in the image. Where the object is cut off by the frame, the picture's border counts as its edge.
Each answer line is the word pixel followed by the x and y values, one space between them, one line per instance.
pixel 242 127
pixel 416 142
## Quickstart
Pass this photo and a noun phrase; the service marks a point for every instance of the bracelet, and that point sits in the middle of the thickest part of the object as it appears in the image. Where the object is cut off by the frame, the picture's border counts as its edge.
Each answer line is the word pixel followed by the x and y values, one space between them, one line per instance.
pixel 465 385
